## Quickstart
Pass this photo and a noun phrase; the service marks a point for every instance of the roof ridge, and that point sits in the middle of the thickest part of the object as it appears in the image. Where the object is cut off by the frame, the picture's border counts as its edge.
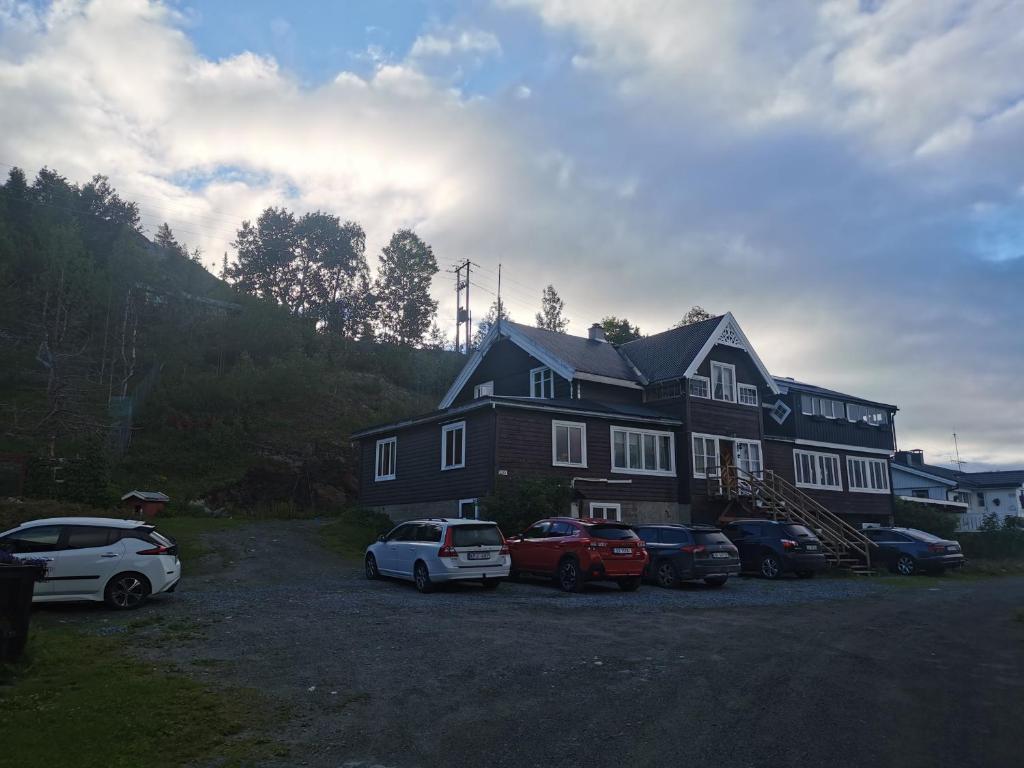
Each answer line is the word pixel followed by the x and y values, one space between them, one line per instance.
pixel 674 329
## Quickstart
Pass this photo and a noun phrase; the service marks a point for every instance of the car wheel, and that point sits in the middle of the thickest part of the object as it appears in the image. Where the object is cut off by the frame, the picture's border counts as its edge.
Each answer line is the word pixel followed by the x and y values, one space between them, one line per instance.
pixel 568 576
pixel 490 583
pixel 126 591
pixel 371 567
pixel 421 576
pixel 805 574
pixel 716 581
pixel 631 584
pixel 666 575
pixel 905 565
pixel 770 567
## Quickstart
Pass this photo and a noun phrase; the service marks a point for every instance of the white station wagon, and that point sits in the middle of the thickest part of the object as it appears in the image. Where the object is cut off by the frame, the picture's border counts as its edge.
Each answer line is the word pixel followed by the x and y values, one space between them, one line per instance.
pixel 440 550
pixel 119 562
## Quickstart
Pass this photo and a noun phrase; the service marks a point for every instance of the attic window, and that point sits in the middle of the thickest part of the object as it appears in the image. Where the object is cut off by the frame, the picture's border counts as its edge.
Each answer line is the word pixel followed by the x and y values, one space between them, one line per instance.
pixel 542 383
pixel 748 394
pixel 700 386
pixel 486 389
pixel 723 382
pixel 780 412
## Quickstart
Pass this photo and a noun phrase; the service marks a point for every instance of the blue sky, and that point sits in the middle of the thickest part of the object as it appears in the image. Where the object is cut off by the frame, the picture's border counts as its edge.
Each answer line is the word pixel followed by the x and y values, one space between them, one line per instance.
pixel 847 177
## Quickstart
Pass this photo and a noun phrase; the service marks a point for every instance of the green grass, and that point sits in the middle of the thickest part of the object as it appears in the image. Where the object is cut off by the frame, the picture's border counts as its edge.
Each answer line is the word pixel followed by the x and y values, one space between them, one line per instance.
pixel 352 531
pixel 78 700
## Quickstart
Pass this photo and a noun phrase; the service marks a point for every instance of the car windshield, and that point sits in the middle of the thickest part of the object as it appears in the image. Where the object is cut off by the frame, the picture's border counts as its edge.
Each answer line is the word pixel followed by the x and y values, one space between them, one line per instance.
pixel 475 536
pixel 922 535
pixel 710 537
pixel 612 532
pixel 798 531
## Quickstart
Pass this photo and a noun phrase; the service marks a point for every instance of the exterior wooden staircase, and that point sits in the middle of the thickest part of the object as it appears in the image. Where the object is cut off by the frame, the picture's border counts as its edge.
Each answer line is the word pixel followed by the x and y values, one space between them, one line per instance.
pixel 767 494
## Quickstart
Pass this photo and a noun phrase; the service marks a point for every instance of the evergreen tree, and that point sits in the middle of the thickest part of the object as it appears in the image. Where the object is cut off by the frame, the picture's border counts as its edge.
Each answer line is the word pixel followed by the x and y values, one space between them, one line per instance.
pixel 405 309
pixel 618 330
pixel 165 239
pixel 224 267
pixel 495 313
pixel 551 308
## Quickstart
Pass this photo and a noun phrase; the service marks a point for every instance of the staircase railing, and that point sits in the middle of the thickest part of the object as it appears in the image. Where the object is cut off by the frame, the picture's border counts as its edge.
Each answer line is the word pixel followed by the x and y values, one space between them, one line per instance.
pixel 775 496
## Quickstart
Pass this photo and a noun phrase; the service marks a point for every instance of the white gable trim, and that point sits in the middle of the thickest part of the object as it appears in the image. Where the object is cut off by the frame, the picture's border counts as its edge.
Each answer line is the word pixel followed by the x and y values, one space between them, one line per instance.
pixel 729 332
pixel 608 380
pixel 498 330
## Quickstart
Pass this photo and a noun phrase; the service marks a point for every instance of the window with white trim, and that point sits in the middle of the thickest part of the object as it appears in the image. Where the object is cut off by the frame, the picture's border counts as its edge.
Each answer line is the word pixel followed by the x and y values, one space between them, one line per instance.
pixel 817 470
pixel 705 455
pixel 642 451
pixel 384 466
pixel 748 394
pixel 604 510
pixel 484 389
pixel 542 383
pixel 868 475
pixel 453 445
pixel 700 386
pixel 867 414
pixel 812 405
pixel 748 459
pixel 568 444
pixel 723 382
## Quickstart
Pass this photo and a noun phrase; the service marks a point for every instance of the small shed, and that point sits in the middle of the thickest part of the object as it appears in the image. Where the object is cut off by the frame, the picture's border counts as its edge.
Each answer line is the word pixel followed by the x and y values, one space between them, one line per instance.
pixel 145 503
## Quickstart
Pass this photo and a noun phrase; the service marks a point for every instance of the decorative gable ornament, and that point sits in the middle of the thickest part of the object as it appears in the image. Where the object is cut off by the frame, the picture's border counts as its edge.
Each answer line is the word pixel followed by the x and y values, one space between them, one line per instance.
pixel 731 337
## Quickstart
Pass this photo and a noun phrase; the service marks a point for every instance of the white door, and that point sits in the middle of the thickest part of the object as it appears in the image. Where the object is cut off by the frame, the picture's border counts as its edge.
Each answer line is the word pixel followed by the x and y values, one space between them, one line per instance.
pixel 603 510
pixel 389 554
pixel 86 560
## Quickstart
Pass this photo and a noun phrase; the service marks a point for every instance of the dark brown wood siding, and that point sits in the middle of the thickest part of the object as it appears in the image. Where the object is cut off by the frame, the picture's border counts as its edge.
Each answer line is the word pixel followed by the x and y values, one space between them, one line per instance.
pixel 714 417
pixel 524 450
pixel 857 506
pixel 508 366
pixel 821 429
pixel 418 476
pixel 610 393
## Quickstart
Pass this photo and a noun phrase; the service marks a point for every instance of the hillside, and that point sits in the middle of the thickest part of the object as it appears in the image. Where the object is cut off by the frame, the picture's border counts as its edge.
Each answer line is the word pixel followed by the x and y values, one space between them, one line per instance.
pixel 125 364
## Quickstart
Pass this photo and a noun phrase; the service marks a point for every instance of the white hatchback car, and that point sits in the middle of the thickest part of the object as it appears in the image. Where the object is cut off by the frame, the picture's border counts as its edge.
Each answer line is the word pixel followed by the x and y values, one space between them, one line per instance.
pixel 440 550
pixel 119 562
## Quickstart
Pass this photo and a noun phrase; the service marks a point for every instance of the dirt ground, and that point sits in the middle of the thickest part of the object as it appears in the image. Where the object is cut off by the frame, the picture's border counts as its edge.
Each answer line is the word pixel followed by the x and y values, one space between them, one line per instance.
pixel 830 672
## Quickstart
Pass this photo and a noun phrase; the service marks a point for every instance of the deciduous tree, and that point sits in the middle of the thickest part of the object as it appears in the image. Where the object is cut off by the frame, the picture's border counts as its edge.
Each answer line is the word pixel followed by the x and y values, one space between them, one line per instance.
pixel 405 308
pixel 550 317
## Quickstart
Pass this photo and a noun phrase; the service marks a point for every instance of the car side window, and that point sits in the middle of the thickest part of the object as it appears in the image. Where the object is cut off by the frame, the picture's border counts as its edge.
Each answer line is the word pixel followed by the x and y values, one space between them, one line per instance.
pixel 430 533
pixel 88 536
pixel 538 531
pixel 674 536
pixel 399 533
pixel 42 538
pixel 560 529
pixel 734 532
pixel 649 535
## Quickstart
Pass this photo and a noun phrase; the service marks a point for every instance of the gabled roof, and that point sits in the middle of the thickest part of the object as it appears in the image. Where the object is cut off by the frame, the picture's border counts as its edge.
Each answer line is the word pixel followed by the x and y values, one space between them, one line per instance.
pixel 1012 478
pixel 926 472
pixel 814 389
pixel 146 496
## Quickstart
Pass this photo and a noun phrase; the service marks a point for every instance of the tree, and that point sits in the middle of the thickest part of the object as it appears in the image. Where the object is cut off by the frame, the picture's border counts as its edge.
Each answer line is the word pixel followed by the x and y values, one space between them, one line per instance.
pixel 551 307
pixel 437 339
pixel 619 330
pixel 405 308
pixel 264 266
pixel 224 267
pixel 696 314
pixel 165 239
pixel 495 313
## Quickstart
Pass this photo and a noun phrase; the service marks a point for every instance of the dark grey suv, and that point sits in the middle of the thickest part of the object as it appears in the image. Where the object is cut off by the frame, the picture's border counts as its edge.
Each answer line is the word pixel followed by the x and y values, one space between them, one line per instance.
pixel 771 548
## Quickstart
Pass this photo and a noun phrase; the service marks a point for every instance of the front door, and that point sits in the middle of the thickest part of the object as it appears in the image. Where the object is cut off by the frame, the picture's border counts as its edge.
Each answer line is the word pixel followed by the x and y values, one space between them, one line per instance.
pixel 529 550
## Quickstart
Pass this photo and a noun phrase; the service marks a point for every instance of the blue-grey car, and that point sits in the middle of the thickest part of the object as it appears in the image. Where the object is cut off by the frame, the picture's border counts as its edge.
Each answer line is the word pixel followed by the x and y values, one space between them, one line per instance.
pixel 907 551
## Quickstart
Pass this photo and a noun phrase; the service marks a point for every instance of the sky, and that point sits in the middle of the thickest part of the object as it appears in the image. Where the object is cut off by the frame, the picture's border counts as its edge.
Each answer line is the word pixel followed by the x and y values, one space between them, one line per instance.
pixel 846 177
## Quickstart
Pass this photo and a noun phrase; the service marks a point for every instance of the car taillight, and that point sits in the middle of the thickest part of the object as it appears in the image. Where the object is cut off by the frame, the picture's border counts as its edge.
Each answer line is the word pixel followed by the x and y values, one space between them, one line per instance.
pixel 447 549
pixel 504 549
pixel 157 550
pixel 789 544
pixel 936 547
pixel 692 548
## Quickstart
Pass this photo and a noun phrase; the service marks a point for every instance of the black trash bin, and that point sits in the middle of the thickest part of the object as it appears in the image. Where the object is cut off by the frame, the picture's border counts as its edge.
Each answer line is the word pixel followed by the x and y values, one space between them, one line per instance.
pixel 16 585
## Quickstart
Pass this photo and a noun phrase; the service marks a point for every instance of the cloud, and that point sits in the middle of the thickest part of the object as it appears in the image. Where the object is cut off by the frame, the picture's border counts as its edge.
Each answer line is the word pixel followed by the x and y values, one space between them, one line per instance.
pixel 846 179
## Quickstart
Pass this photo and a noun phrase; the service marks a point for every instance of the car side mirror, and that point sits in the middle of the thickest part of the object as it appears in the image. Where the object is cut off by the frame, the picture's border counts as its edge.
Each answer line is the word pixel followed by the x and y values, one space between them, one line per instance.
pixel 381 538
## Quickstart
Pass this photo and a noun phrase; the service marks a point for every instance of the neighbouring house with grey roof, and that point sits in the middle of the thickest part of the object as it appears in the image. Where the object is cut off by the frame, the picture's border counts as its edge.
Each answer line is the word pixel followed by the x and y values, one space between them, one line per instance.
pixel 682 426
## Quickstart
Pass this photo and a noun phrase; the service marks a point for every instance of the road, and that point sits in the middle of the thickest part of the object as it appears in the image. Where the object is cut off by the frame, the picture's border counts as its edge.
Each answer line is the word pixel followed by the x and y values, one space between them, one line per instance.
pixel 833 672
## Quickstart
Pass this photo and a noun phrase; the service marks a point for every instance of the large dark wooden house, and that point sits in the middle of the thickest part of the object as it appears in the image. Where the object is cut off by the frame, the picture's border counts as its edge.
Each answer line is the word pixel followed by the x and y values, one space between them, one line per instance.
pixel 684 426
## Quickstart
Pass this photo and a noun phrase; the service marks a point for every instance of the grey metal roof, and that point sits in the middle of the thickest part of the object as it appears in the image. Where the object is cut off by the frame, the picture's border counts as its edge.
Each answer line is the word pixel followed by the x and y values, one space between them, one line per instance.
pixel 585 356
pixel 146 496
pixel 1011 478
pixel 667 355
pixel 814 389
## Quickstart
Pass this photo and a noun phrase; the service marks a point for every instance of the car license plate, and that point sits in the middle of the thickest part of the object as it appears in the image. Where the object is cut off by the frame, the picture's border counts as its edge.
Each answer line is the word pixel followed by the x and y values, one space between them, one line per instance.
pixel 811 547
pixel 720 554
pixel 479 555
pixel 622 551
pixel 952 549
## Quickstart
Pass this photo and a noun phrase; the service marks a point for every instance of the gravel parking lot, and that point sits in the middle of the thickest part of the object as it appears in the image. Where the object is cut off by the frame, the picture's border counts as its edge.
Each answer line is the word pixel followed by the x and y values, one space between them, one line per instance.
pixel 838 672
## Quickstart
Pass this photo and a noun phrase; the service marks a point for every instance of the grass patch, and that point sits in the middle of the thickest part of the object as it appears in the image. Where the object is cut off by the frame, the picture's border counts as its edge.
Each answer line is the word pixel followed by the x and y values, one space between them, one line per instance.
pixel 79 700
pixel 353 530
pixel 994 567
pixel 188 533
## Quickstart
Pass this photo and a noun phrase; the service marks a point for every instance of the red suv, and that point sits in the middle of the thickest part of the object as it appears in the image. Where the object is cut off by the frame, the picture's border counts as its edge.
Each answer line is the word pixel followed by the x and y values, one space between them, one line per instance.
pixel 574 551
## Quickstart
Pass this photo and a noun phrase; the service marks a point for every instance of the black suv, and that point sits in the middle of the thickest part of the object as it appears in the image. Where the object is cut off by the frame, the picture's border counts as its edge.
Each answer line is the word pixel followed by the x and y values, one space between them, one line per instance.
pixel 771 548
pixel 688 553
pixel 908 550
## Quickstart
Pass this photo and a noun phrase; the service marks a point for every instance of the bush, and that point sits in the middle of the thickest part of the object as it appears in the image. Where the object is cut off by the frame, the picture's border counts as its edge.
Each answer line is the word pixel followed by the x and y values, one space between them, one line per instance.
pixel 517 504
pixel 908 514
pixel 1001 544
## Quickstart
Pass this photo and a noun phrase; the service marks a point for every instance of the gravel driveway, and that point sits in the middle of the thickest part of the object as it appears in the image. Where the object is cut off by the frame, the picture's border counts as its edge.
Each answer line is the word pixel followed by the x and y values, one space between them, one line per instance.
pixel 838 672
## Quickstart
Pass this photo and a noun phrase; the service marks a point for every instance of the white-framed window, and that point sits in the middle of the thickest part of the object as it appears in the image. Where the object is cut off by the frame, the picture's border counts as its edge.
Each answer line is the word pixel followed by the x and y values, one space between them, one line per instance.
pixel 606 510
pixel 817 470
pixel 469 508
pixel 568 444
pixel 484 389
pixel 748 459
pixel 705 455
pixel 868 475
pixel 453 445
pixel 780 412
pixel 542 383
pixel 867 414
pixel 642 451
pixel 387 452
pixel 723 382
pixel 812 405
pixel 700 386
pixel 748 394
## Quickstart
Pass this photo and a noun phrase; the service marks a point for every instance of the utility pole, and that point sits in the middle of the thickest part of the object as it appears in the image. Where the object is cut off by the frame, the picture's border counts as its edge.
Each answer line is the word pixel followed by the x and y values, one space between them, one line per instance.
pixel 462 314
pixel 500 315
pixel 956 446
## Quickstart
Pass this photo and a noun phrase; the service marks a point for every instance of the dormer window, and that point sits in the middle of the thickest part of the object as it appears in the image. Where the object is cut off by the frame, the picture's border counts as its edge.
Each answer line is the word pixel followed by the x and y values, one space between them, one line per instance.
pixel 723 382
pixel 486 389
pixel 542 383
